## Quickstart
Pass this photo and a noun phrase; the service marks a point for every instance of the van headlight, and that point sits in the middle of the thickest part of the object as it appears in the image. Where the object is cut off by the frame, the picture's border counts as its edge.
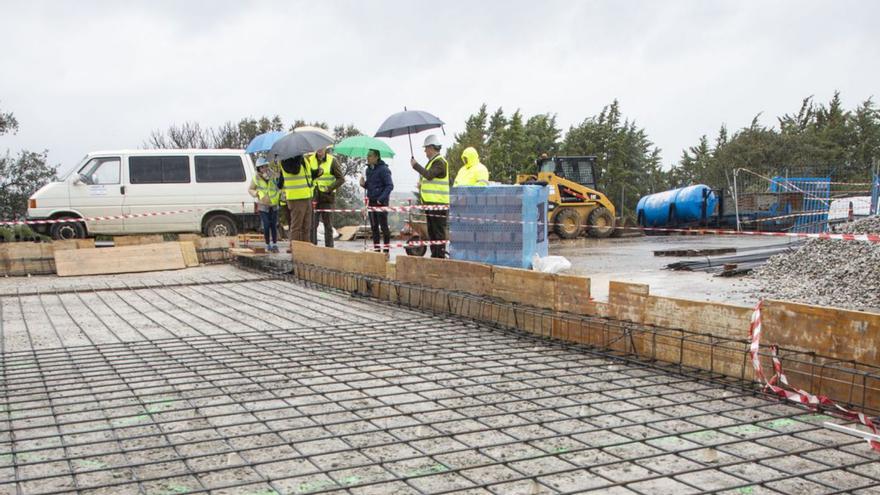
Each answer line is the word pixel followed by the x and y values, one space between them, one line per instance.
pixel 32 203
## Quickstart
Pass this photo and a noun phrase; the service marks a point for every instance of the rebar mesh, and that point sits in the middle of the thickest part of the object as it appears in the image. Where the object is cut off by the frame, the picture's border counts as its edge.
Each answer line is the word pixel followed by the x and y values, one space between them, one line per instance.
pixel 203 388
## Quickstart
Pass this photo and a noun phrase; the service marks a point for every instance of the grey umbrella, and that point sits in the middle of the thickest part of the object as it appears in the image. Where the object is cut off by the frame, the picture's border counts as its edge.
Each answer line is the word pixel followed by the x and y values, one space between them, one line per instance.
pixel 299 143
pixel 408 122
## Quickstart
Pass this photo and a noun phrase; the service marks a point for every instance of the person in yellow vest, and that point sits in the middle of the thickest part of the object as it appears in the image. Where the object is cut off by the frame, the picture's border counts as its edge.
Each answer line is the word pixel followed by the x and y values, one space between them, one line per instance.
pixel 472 173
pixel 298 186
pixel 434 190
pixel 266 188
pixel 326 184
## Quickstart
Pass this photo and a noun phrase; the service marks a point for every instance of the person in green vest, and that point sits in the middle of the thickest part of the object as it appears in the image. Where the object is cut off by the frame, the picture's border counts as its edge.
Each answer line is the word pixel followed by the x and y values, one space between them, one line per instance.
pixel 298 186
pixel 326 184
pixel 434 190
pixel 472 173
pixel 266 188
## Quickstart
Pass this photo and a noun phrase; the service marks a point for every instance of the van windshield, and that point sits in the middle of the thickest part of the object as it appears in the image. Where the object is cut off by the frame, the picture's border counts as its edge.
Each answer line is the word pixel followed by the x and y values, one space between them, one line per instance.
pixel 75 169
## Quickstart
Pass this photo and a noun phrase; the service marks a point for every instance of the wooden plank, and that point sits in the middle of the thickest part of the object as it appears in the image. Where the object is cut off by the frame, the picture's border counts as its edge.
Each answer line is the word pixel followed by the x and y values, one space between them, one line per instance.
pixel 137 240
pixel 74 244
pixel 573 294
pixel 464 276
pixel 246 253
pixel 25 258
pixel 364 263
pixel 524 287
pixel 211 248
pixel 126 259
pixel 723 320
pixel 838 333
pixel 188 249
pixel 627 301
pixel 188 237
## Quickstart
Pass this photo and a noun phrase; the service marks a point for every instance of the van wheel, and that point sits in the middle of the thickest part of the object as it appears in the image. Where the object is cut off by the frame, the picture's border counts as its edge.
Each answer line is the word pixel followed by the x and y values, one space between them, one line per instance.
pixel 220 226
pixel 67 230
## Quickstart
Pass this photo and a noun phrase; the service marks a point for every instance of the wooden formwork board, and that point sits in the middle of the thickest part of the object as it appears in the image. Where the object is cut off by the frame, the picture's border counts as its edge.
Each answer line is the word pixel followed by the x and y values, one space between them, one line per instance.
pixel 464 276
pixel 137 240
pixel 73 244
pixel 363 263
pixel 188 249
pixel 26 258
pixel 573 294
pixel 524 287
pixel 127 259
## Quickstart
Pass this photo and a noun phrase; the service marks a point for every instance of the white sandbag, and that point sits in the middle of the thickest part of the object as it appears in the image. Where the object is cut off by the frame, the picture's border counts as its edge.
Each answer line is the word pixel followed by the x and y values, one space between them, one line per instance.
pixel 550 264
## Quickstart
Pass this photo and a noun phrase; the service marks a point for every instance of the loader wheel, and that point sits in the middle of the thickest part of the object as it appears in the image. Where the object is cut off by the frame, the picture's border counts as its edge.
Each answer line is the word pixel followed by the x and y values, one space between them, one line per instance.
pixel 601 223
pixel 567 224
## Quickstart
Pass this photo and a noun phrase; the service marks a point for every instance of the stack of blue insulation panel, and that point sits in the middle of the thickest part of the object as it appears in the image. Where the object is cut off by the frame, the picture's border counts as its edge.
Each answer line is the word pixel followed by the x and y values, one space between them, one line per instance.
pixel 500 225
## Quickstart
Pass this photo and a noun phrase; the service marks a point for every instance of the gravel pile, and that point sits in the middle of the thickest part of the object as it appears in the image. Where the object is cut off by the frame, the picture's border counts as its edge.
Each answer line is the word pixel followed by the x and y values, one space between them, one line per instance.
pixel 844 274
pixel 869 225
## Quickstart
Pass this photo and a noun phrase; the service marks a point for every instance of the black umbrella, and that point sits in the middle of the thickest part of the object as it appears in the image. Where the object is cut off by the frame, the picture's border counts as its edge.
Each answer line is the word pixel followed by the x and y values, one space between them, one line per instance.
pixel 408 122
pixel 299 143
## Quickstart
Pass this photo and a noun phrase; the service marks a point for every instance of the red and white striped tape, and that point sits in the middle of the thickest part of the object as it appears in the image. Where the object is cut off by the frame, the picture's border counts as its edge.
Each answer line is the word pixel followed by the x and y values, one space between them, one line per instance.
pixel 96 219
pixel 410 244
pixel 874 237
pixel 701 231
pixel 786 390
pixel 399 209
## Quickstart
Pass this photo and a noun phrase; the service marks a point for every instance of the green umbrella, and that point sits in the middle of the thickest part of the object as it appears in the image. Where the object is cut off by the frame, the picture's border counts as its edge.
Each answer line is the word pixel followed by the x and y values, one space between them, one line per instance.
pixel 358 146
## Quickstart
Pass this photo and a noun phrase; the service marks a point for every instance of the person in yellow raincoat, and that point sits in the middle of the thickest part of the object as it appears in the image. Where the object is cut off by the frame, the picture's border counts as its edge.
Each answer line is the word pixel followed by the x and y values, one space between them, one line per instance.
pixel 473 173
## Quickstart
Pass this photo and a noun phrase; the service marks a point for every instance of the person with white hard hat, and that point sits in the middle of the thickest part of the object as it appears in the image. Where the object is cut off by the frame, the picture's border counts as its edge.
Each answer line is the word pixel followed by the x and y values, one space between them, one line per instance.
pixel 266 188
pixel 434 190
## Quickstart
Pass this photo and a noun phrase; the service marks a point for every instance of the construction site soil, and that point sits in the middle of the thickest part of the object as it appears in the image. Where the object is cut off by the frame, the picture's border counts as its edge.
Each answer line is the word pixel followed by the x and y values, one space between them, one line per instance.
pixel 218 380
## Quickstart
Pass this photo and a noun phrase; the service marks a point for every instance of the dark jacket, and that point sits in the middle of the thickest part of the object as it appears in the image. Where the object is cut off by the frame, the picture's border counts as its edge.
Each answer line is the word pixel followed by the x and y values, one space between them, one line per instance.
pixel 295 164
pixel 379 184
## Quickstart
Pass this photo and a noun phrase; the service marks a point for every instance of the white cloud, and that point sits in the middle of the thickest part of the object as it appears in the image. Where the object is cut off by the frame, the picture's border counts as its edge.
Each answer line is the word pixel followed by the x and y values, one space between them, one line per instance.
pixel 82 76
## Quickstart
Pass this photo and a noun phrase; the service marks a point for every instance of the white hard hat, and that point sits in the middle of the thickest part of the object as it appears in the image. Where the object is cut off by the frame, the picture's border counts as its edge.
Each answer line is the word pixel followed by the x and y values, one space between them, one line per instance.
pixel 432 140
pixel 262 162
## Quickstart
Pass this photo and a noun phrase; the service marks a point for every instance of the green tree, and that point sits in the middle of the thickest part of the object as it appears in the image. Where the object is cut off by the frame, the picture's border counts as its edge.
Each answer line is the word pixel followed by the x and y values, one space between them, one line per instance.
pixel 818 139
pixel 544 137
pixel 8 123
pixel 508 145
pixel 20 176
pixel 513 155
pixel 474 135
pixel 628 162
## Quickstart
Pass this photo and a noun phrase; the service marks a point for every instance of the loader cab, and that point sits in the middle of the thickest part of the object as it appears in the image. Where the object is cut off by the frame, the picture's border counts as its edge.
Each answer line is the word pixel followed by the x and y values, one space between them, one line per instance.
pixel 580 169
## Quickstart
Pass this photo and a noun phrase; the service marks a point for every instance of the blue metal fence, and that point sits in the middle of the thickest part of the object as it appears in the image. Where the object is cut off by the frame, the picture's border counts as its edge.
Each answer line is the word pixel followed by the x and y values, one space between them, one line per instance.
pixel 817 198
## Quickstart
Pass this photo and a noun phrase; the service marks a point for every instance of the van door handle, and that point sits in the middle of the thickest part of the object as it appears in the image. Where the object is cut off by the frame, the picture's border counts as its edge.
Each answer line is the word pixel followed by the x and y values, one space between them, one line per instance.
pixel 121 189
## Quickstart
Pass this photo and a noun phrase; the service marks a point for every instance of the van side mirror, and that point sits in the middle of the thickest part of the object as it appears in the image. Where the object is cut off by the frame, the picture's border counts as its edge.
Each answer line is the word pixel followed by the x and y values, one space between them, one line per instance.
pixel 80 179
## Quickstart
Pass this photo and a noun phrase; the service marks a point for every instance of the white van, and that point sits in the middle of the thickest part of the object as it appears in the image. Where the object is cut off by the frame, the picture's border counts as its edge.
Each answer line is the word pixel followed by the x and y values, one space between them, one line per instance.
pixel 213 184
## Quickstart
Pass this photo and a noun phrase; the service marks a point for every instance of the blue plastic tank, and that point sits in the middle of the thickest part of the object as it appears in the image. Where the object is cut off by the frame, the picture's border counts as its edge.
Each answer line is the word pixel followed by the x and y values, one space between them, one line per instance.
pixel 676 206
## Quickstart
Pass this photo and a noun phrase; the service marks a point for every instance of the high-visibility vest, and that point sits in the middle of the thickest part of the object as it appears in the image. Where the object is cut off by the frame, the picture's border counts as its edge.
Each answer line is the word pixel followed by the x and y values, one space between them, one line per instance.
pixel 298 186
pixel 475 175
pixel 435 190
pixel 326 180
pixel 267 189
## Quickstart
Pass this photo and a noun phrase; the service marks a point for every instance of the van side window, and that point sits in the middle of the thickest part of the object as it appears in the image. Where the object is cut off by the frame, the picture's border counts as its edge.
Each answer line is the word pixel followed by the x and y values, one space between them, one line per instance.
pixel 158 169
pixel 100 171
pixel 219 169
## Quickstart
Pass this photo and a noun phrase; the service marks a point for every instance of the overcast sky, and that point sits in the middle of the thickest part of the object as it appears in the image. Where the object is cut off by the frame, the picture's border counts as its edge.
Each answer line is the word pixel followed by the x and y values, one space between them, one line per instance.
pixel 83 76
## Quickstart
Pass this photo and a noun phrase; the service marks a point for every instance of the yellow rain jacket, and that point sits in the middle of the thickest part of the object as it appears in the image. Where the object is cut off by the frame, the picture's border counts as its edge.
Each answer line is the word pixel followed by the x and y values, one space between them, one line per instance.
pixel 473 173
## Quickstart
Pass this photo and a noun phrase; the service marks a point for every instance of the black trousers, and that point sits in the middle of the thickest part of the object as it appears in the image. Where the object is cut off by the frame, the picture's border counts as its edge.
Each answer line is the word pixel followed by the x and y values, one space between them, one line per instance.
pixel 379 222
pixel 437 231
